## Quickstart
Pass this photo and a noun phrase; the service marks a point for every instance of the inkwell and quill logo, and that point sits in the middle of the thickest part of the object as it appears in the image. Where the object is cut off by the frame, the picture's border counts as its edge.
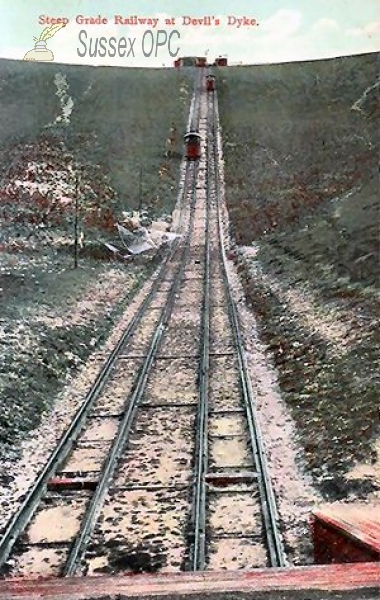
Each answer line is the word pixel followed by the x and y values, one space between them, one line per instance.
pixel 40 51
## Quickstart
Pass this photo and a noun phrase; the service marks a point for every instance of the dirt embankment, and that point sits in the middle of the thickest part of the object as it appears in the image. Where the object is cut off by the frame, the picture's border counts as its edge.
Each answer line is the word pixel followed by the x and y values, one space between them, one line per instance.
pixel 300 143
pixel 79 141
pixel 52 318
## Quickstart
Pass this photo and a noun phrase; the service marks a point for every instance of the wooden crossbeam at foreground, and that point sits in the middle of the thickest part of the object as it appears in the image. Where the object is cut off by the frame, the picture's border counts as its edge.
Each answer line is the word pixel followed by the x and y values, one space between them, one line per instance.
pixel 359 580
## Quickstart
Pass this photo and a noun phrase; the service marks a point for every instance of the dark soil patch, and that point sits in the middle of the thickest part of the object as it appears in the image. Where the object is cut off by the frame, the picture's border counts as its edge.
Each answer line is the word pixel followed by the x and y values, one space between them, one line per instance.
pixel 136 561
pixel 132 558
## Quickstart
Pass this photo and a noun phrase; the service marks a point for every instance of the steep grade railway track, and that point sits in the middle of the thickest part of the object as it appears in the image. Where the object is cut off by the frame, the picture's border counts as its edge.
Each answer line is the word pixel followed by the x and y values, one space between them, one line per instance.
pixel 236 521
pixel 163 467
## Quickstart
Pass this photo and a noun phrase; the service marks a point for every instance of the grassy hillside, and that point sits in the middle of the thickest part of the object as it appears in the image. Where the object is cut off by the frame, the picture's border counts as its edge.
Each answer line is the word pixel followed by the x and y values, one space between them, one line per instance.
pixel 28 101
pixel 293 140
pixel 301 151
pixel 68 132
pixel 122 119
pixel 118 124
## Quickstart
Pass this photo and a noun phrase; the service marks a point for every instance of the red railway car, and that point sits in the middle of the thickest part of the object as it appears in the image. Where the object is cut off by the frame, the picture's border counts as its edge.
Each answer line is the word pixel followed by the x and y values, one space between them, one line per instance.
pixel 193 145
pixel 210 83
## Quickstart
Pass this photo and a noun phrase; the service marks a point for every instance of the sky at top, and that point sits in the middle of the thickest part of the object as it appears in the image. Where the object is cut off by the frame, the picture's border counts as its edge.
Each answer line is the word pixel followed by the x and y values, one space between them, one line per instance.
pixel 287 30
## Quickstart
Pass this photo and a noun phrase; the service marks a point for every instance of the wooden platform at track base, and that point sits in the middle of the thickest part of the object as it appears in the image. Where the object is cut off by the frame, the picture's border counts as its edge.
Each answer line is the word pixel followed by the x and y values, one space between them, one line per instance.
pixel 354 581
pixel 346 533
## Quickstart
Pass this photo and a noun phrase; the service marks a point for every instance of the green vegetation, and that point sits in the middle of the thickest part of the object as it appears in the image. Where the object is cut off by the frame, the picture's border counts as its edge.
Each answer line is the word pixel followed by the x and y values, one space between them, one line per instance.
pixel 53 317
pixel 301 151
pixel 292 140
pixel 114 132
pixel 116 122
pixel 121 120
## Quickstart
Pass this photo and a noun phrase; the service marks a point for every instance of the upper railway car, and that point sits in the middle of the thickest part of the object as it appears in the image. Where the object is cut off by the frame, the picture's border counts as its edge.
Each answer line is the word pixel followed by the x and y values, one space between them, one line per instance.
pixel 200 61
pixel 221 61
pixel 191 61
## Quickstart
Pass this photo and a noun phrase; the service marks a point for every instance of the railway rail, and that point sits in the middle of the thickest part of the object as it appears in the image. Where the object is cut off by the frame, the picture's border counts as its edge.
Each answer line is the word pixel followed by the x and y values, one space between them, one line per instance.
pixel 163 467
